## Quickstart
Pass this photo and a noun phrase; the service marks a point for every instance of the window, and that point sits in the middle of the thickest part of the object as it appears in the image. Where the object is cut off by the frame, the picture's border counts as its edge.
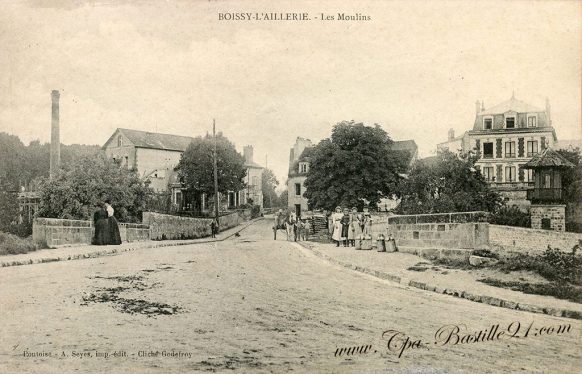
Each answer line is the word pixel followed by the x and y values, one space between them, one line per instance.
pixel 532 148
pixel 510 174
pixel 546 224
pixel 298 189
pixel 487 123
pixel 487 150
pixel 303 167
pixel 528 174
pixel 255 181
pixel 510 122
pixel 532 121
pixel 509 149
pixel 547 180
pixel 489 173
pixel 415 235
pixel 120 141
pixel 126 161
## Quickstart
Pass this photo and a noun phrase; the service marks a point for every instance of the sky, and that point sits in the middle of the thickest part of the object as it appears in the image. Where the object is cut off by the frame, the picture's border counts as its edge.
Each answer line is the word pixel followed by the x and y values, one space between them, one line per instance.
pixel 415 68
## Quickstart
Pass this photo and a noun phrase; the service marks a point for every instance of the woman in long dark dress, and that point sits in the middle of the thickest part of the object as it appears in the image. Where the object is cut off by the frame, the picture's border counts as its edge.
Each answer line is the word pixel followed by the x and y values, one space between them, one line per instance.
pixel 114 238
pixel 101 224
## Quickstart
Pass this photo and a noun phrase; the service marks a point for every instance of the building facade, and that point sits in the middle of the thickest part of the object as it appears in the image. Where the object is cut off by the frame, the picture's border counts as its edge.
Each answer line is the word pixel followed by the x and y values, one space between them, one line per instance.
pixel 506 137
pixel 298 167
pixel 154 156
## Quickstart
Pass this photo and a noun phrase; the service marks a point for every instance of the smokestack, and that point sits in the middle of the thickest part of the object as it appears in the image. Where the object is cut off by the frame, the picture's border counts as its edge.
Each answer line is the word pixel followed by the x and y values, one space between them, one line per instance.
pixel 55 135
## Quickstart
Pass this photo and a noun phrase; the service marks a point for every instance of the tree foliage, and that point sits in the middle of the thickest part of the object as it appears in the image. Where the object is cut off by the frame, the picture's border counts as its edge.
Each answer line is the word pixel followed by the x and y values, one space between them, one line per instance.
pixel 446 183
pixel 22 164
pixel 89 181
pixel 197 171
pixel 354 167
pixel 572 184
pixel 269 183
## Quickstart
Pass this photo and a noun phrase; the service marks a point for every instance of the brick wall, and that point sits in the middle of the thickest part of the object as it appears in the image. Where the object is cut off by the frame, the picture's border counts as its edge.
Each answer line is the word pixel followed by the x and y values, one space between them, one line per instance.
pixel 54 232
pixel 556 214
pixel 520 239
pixel 165 226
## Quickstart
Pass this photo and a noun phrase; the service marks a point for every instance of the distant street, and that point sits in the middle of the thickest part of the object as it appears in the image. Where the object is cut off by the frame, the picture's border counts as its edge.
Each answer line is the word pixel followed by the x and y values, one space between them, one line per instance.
pixel 254 304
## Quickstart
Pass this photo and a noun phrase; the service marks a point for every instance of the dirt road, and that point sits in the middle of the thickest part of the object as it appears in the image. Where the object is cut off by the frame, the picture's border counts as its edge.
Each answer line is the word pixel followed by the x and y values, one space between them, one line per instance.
pixel 254 304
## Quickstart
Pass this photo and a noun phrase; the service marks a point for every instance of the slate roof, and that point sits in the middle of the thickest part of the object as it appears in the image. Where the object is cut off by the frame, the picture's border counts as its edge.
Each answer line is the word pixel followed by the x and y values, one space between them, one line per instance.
pixel 404 145
pixel 144 139
pixel 548 158
pixel 513 105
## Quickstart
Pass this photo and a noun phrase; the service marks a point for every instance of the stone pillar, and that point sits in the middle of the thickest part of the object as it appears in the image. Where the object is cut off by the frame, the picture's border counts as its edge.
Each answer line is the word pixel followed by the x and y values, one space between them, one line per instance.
pixel 55 160
pixel 550 217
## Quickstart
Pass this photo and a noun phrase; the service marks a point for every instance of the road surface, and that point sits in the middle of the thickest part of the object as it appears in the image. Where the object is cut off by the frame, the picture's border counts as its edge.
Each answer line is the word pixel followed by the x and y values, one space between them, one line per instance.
pixel 252 304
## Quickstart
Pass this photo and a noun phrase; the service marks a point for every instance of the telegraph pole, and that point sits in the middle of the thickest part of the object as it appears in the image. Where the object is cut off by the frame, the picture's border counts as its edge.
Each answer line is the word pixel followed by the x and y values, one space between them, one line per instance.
pixel 215 175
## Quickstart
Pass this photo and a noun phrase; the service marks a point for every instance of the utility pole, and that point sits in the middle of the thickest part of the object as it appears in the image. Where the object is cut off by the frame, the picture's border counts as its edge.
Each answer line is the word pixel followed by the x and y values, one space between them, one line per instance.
pixel 215 176
pixel 267 167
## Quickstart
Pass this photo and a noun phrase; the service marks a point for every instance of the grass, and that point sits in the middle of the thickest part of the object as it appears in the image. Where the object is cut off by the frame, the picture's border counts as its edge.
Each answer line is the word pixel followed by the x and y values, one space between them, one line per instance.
pixel 558 290
pixel 12 244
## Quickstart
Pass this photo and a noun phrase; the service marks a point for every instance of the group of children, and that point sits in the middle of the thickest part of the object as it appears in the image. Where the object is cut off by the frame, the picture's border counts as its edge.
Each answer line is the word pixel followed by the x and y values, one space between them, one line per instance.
pixel 347 226
pixel 303 227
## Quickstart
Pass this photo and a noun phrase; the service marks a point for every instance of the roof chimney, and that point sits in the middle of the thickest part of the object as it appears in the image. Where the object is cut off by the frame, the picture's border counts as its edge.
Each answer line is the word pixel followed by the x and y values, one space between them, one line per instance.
pixel 55 160
pixel 477 107
pixel 548 111
pixel 451 134
pixel 248 152
pixel 482 105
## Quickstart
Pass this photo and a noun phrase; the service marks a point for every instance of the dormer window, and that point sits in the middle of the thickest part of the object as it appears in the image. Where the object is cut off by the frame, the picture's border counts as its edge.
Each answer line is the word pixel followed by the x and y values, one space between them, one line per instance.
pixel 510 122
pixel 120 141
pixel 532 121
pixel 487 123
pixel 303 167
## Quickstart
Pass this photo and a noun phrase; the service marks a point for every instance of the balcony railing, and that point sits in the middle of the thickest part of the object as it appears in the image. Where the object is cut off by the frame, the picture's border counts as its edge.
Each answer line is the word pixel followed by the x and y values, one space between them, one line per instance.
pixel 544 194
pixel 509 155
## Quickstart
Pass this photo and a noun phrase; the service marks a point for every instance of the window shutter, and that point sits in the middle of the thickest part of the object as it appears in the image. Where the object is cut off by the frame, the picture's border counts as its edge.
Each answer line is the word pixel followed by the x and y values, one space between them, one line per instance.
pixel 498 151
pixel 499 173
pixel 543 143
pixel 478 145
pixel 520 147
pixel 521 173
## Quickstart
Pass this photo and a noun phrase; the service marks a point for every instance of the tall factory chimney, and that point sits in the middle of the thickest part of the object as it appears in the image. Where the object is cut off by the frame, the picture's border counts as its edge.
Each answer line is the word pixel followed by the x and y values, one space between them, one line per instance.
pixel 55 135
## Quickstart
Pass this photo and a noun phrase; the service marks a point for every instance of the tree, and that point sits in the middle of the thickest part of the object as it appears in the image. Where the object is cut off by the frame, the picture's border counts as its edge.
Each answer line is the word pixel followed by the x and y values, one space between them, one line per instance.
pixel 11 161
pixel 196 168
pixel 269 183
pixel 572 183
pixel 354 167
pixel 446 183
pixel 89 181
pixel 284 199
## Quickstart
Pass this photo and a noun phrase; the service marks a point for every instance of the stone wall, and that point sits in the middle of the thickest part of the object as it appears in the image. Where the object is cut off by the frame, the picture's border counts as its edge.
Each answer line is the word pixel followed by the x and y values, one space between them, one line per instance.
pixel 54 232
pixel 166 227
pixel 556 214
pixel 520 239
pixel 441 235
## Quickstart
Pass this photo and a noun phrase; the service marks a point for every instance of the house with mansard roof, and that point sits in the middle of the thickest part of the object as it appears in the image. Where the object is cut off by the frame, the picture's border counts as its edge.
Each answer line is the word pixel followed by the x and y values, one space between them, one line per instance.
pixel 507 136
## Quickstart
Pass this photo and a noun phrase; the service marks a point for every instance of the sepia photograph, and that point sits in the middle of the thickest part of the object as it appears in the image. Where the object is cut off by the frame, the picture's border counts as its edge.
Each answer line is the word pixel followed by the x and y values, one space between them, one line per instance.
pixel 217 186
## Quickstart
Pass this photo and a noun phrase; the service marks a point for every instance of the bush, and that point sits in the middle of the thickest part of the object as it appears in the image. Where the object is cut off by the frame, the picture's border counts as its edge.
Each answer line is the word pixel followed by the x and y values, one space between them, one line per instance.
pixel 23 229
pixel 11 244
pixel 255 211
pixel 553 264
pixel 511 216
